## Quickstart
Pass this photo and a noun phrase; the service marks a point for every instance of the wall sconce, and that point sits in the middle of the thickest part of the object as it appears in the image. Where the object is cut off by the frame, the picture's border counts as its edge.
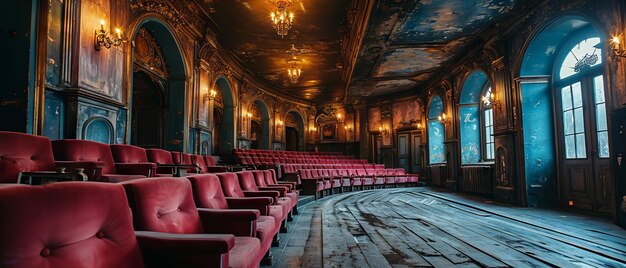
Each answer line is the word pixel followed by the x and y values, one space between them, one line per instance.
pixel 383 130
pixel 279 123
pixel 442 118
pixel 419 126
pixel 339 117
pixel 313 129
pixel 209 95
pixel 618 49
pixel 347 128
pixel 104 39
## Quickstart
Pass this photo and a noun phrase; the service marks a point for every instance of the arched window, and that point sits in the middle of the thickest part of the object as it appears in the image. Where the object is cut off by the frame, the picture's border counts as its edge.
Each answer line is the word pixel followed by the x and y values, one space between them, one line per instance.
pixel 436 132
pixel 581 98
pixel 476 119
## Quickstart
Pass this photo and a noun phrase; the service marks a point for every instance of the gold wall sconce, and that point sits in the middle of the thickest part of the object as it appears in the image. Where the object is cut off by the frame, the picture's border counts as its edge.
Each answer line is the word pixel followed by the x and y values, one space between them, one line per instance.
pixel 209 95
pixel 443 118
pixel 103 38
pixel 383 130
pixel 617 47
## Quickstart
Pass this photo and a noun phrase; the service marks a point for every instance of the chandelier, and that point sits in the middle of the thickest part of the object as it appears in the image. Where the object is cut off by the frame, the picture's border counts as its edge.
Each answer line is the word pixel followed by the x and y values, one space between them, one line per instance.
pixel 294 70
pixel 281 19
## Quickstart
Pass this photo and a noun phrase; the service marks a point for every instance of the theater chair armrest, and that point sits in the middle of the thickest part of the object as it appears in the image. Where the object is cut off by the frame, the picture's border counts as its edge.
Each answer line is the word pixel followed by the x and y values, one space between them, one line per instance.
pixel 146 169
pixel 93 169
pixel 259 203
pixel 45 177
pixel 292 183
pixel 287 186
pixel 273 194
pixel 281 190
pixel 217 169
pixel 240 222
pixel 165 243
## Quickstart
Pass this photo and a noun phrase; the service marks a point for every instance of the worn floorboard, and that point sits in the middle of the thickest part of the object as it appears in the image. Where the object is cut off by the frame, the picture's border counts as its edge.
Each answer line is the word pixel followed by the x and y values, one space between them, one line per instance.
pixel 424 227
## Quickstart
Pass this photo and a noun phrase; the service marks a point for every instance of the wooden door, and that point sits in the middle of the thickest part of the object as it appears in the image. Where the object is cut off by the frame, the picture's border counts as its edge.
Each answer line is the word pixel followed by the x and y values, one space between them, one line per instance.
pixel 583 140
pixel 416 159
pixel 404 151
pixel 147 112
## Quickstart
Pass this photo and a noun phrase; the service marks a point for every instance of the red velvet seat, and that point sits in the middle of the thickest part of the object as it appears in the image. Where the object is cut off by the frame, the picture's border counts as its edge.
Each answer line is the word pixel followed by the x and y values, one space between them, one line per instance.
pixel 166 205
pixel 231 187
pixel 184 159
pixel 208 193
pixel 289 193
pixel 34 160
pixel 248 183
pixel 81 230
pixel 124 153
pixel 99 154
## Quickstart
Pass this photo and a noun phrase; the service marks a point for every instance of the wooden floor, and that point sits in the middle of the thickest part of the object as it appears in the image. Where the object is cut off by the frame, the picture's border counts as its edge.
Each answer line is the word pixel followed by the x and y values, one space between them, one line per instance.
pixel 421 227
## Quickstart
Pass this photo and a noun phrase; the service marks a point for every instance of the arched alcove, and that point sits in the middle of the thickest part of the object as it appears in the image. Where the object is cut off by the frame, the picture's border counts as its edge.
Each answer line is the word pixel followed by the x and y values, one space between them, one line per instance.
pixel 226 132
pixel 565 135
pixel 261 131
pixel 294 131
pixel 156 54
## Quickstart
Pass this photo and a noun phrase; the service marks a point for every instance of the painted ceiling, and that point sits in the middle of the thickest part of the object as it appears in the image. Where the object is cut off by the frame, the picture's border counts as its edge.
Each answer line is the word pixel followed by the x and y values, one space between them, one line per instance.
pixel 405 43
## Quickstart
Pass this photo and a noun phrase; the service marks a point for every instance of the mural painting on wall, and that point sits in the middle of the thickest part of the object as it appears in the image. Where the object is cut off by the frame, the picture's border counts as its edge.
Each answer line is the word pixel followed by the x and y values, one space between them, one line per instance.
pixel 255 110
pixel 435 138
pixel 291 120
pixel 329 132
pixel 470 142
pixel 405 113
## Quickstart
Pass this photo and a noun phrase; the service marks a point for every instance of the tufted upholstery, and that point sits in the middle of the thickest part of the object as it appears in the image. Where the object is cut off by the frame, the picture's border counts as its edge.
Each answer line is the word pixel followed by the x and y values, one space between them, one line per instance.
pixel 207 191
pixel 67 224
pixel 16 158
pixel 167 205
pixel 199 160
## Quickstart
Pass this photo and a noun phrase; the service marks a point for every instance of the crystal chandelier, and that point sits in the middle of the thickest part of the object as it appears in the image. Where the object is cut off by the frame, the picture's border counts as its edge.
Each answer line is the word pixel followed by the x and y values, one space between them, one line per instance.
pixel 294 70
pixel 281 19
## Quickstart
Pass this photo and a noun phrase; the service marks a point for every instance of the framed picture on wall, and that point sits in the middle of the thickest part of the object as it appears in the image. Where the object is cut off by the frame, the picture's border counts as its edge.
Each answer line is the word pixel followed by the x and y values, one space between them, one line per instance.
pixel 329 132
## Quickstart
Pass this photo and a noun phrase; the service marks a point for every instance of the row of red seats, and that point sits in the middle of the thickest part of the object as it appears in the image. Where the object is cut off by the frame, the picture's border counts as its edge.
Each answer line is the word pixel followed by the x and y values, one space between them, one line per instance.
pixel 256 161
pixel 322 182
pixel 293 169
pixel 203 220
pixel 23 154
pixel 282 152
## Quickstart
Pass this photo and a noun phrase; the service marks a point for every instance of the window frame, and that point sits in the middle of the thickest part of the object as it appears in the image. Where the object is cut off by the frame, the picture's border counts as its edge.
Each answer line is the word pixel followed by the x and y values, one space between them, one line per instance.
pixel 483 127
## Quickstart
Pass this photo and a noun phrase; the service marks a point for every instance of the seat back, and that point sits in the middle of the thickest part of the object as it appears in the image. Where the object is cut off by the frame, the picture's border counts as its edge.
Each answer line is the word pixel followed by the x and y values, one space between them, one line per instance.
pixel 84 150
pixel 246 181
pixel 207 191
pixel 159 156
pixel 269 176
pixel 124 153
pixel 69 224
pixel 230 184
pixel 16 158
pixel 163 205
pixel 259 178
pixel 209 160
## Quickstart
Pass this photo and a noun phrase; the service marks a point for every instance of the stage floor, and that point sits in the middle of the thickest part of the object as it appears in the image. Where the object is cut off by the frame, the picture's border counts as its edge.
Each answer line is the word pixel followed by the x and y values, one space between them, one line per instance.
pixel 422 227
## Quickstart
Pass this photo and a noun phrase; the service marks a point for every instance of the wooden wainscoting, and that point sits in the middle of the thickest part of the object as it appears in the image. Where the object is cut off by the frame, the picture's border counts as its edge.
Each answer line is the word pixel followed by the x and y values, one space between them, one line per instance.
pixel 438 174
pixel 477 179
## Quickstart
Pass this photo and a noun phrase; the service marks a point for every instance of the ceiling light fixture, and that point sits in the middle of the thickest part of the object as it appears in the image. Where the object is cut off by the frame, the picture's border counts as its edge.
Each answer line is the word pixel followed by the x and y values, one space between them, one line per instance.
pixel 282 19
pixel 294 71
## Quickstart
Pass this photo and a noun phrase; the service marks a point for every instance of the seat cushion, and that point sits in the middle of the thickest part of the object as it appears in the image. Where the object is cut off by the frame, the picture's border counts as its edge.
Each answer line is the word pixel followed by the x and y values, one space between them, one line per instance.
pixel 120 178
pixel 265 231
pixel 246 253
pixel 293 197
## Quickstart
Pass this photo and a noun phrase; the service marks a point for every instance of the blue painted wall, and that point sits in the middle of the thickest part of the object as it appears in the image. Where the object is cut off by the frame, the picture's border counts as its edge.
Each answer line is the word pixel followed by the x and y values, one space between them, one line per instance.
pixel 436 132
pixel 99 130
pixel 539 144
pixel 53 115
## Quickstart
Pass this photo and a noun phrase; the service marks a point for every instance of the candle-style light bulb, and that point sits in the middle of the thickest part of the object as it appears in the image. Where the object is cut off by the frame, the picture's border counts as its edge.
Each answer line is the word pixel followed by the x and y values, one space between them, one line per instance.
pixel 118 32
pixel 102 25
